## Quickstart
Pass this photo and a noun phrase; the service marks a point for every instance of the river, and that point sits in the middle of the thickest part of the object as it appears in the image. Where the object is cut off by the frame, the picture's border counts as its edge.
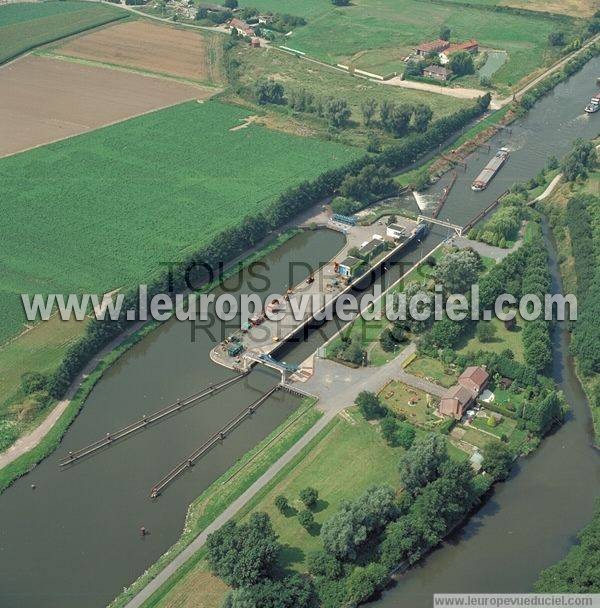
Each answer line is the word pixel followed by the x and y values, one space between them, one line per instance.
pixel 74 541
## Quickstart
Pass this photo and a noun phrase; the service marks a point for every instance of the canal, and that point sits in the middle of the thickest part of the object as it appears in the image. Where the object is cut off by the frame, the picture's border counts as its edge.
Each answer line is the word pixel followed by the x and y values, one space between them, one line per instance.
pixel 74 541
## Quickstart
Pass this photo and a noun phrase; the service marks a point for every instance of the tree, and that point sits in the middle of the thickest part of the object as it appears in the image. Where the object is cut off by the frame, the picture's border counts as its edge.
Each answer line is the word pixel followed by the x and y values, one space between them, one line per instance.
pixel 243 554
pixel 309 497
pixel 389 426
pixel 306 519
pixel 445 32
pixel 458 270
pixel 422 180
pixel 398 120
pixel 497 460
pixel 322 564
pixel 405 435
pixel 293 591
pixel 485 331
pixel 363 583
pixel 461 63
pixel 281 502
pixel 368 107
pixel 422 115
pixel 537 346
pixel 581 158
pixel 230 3
pixel 556 39
pixel 423 463
pixel 341 2
pixel 33 382
pixel 369 405
pixel 337 112
pixel 345 531
pixel 387 341
pixel 268 91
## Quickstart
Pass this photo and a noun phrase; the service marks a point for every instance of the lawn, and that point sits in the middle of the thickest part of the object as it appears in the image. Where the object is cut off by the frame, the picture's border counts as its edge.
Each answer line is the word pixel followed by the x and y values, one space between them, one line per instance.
pixel 434 370
pixel 375 34
pixel 24 26
pixel 411 403
pixel 505 427
pixel 504 339
pixel 473 436
pixel 109 208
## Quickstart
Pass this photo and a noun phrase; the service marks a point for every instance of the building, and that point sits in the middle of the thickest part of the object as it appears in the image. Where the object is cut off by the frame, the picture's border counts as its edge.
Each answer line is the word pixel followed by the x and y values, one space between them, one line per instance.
pixel 395 231
pixel 458 398
pixel 436 72
pixel 371 248
pixel 349 266
pixel 471 46
pixel 475 378
pixel 426 48
pixel 456 401
pixel 243 29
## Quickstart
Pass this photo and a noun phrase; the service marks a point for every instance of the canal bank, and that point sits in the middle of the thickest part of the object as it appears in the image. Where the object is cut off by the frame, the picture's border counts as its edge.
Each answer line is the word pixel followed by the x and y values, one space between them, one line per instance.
pixel 78 532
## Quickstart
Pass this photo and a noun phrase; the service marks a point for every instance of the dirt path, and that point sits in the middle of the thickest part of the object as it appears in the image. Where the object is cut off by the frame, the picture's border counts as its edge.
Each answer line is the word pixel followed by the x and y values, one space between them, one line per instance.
pixel 459 92
pixel 32 439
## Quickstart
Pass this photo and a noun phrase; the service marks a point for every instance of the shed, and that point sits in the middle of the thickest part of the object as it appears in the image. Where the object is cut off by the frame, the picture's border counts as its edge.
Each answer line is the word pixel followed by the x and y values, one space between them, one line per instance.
pixel 437 72
pixel 396 231
pixel 349 266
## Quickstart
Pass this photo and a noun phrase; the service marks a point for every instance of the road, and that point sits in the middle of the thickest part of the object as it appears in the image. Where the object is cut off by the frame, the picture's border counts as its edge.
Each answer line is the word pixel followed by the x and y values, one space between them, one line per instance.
pixel 337 387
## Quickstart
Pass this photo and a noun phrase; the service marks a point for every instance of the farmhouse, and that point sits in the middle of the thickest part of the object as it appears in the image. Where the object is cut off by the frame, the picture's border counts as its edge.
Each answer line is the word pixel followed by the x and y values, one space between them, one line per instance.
pixel 242 27
pixel 471 46
pixel 459 397
pixel 436 72
pixel 427 48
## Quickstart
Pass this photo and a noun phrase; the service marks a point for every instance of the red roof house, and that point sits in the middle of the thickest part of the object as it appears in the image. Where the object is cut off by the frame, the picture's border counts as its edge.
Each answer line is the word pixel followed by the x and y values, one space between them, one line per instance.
pixel 475 378
pixel 436 46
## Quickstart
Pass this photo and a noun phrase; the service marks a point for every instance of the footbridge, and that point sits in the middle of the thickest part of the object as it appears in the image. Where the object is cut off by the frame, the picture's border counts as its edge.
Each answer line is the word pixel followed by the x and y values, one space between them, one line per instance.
pixel 432 220
pixel 144 422
pixel 251 358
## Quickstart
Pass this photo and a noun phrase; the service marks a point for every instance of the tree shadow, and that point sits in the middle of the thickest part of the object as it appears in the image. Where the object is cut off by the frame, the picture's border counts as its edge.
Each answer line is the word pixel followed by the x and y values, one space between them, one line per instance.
pixel 289 511
pixel 319 506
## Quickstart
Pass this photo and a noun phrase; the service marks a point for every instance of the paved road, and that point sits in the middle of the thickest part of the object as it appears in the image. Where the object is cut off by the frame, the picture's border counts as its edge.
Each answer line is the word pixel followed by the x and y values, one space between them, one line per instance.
pixel 488 251
pixel 337 387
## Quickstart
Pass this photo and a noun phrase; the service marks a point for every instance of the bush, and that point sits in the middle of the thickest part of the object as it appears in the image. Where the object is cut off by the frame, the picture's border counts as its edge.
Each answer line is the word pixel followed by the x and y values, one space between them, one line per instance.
pixel 486 332
pixel 363 583
pixel 306 519
pixel 281 502
pixel 309 497
pixel 322 564
pixel 369 405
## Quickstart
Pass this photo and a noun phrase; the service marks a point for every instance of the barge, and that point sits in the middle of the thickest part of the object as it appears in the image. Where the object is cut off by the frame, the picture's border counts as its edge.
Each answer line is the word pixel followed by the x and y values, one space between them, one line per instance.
pixel 594 104
pixel 485 177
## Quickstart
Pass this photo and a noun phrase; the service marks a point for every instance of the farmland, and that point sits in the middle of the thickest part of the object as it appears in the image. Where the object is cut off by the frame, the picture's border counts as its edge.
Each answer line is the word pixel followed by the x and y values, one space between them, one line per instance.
pixel 147 46
pixel 375 34
pixel 575 8
pixel 44 99
pixel 177 178
pixel 24 26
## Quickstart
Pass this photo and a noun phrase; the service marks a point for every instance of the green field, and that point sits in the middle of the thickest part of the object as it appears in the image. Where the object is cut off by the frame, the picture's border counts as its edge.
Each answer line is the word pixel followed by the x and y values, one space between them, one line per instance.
pixel 504 339
pixel 24 26
pixel 322 82
pixel 376 34
pixel 108 207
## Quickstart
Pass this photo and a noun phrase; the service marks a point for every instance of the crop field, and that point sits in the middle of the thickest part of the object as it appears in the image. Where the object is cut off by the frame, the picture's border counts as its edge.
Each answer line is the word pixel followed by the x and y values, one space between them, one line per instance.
pixel 575 8
pixel 24 26
pixel 107 208
pixel 44 99
pixel 147 46
pixel 375 34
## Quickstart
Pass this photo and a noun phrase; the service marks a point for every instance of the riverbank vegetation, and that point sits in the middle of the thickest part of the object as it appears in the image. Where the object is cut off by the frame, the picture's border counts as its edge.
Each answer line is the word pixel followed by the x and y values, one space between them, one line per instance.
pixel 573 213
pixel 579 572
